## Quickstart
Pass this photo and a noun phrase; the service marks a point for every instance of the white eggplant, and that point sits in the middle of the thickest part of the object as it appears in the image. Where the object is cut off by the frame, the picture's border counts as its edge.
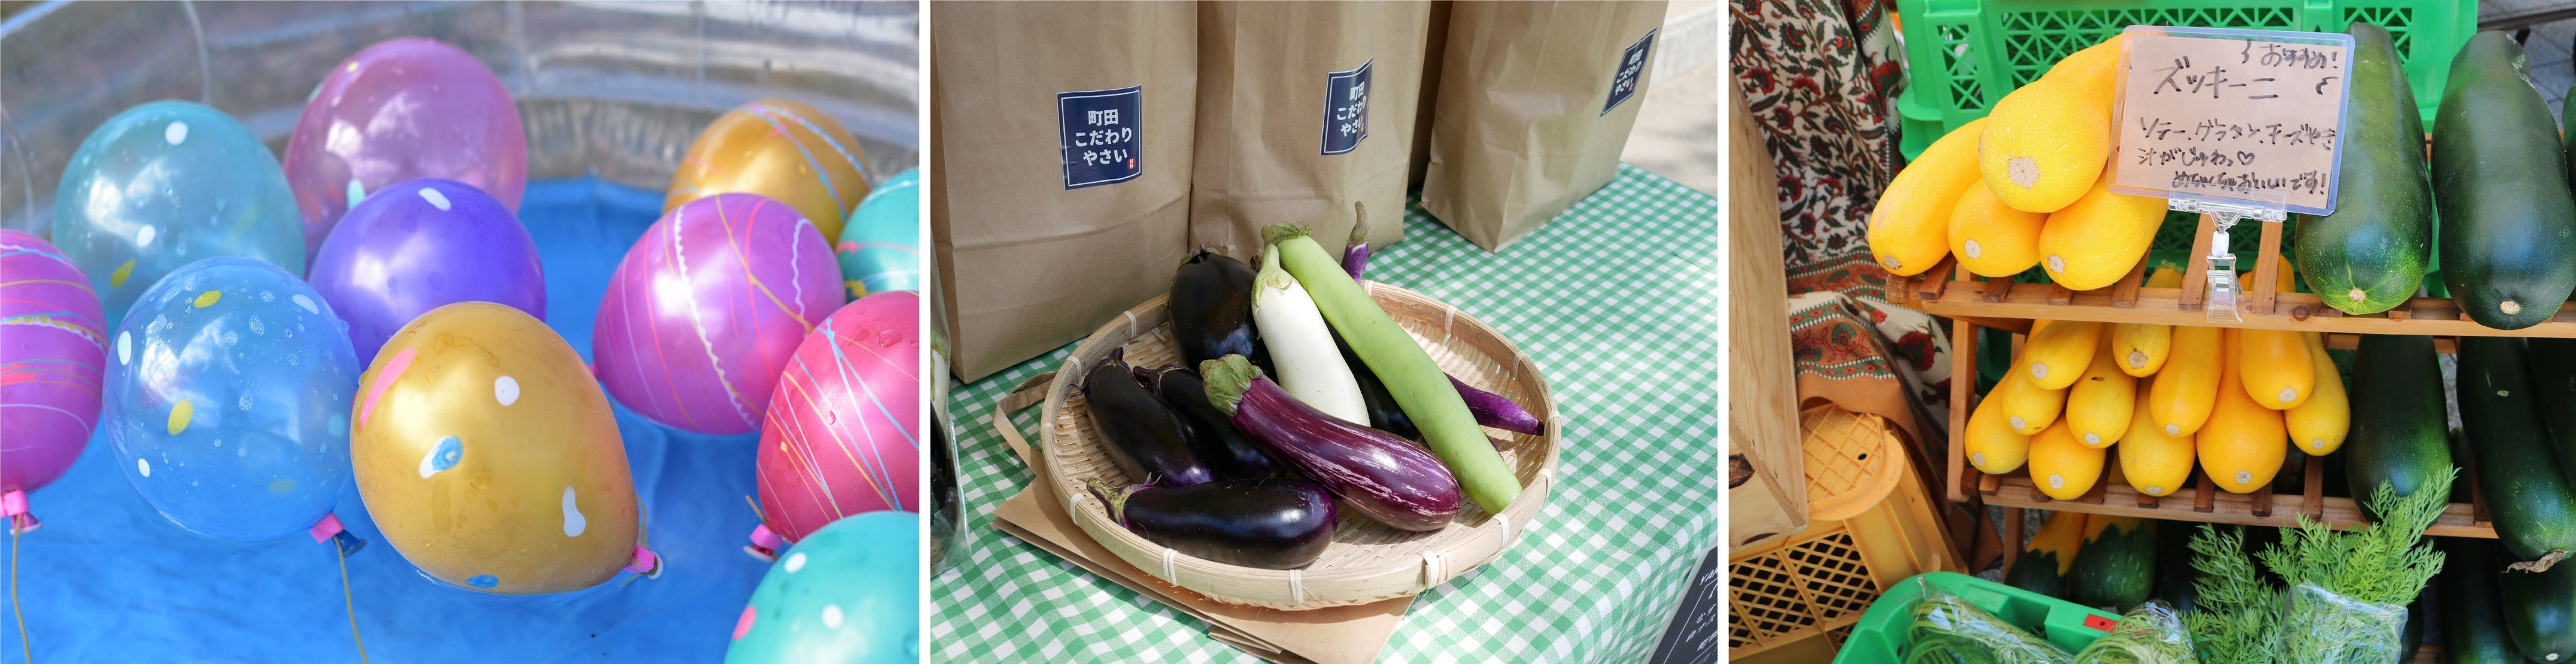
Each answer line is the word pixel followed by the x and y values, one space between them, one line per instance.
pixel 1301 344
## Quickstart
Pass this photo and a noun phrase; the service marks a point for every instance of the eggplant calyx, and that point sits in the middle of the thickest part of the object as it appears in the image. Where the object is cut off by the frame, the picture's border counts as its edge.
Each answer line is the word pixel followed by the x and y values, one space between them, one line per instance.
pixel 1115 497
pixel 1271 278
pixel 1227 378
pixel 1277 233
pixel 1359 224
pixel 1199 256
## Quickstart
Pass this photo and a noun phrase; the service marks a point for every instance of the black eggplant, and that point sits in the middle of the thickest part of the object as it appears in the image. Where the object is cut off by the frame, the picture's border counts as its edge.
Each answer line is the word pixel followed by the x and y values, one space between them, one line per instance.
pixel 1144 437
pixel 1224 448
pixel 1211 308
pixel 1268 523
pixel 1384 414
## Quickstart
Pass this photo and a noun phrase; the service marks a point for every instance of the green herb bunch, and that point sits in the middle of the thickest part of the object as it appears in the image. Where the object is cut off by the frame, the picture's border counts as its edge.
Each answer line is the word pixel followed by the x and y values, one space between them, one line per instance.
pixel 2244 619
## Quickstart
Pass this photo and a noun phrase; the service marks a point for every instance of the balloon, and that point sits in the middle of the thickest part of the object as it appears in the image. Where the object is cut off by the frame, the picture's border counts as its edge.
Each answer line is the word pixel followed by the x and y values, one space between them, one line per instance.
pixel 880 249
pixel 51 351
pixel 850 593
pixel 781 149
pixel 228 400
pixel 706 308
pixel 843 434
pixel 417 245
pixel 166 184
pixel 488 455
pixel 403 110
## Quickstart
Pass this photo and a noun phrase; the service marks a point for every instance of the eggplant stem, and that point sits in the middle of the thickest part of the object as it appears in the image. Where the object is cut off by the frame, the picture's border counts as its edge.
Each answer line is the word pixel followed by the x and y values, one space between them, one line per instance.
pixel 1226 379
pixel 1277 233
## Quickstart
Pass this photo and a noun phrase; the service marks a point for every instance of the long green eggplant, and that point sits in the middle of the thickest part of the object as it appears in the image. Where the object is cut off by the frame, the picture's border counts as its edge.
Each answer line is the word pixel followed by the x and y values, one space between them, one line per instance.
pixel 2370 255
pixel 2472 614
pixel 2530 501
pixel 2398 418
pixel 2508 231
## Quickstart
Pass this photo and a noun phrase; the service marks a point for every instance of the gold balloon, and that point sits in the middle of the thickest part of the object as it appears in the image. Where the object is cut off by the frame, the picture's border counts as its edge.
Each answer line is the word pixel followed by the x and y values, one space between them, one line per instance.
pixel 488 456
pixel 785 150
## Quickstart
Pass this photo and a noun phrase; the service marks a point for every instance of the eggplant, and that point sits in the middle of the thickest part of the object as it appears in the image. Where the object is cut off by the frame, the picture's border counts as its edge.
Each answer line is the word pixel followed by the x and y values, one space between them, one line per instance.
pixel 1373 472
pixel 1384 413
pixel 1270 523
pixel 1495 411
pixel 1355 255
pixel 1211 309
pixel 1144 437
pixel 1225 450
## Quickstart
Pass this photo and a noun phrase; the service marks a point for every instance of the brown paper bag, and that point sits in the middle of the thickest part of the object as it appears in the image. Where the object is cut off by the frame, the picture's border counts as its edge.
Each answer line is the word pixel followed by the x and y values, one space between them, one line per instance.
pixel 1432 48
pixel 1304 108
pixel 1536 99
pixel 1061 144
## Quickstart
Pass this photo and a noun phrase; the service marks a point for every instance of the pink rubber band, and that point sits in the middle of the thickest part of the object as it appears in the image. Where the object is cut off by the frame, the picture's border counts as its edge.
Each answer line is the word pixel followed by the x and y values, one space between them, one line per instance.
pixel 644 562
pixel 324 530
pixel 13 503
pixel 765 538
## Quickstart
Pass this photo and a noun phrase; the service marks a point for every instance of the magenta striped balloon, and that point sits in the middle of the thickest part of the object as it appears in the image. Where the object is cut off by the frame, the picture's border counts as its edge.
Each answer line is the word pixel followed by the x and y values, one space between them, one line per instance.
pixel 706 308
pixel 51 353
pixel 844 433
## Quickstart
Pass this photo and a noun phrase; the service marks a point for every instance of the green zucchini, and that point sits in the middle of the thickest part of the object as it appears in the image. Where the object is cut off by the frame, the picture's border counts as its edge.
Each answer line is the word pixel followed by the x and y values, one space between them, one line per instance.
pixel 2369 256
pixel 2508 231
pixel 2529 500
pixel 2540 612
pixel 2043 565
pixel 2116 569
pixel 2553 384
pixel 2472 627
pixel 2398 418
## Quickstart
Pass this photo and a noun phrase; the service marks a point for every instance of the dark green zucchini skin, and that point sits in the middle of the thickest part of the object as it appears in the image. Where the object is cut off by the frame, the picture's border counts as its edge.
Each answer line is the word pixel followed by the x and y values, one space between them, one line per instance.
pixel 2370 255
pixel 2530 501
pixel 2036 571
pixel 2177 580
pixel 2553 383
pixel 2116 570
pixel 2508 231
pixel 2472 617
pixel 2540 612
pixel 2399 424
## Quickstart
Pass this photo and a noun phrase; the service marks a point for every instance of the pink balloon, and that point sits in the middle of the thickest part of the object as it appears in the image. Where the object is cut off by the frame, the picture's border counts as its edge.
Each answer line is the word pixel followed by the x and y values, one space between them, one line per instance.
pixel 708 306
pixel 844 433
pixel 51 353
pixel 403 110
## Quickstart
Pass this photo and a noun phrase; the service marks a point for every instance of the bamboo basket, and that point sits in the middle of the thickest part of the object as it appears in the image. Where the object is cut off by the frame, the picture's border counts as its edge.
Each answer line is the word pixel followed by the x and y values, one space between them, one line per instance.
pixel 1367 561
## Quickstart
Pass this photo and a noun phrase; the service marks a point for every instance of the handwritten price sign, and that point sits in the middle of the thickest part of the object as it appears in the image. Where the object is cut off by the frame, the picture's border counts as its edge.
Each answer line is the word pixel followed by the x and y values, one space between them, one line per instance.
pixel 2232 115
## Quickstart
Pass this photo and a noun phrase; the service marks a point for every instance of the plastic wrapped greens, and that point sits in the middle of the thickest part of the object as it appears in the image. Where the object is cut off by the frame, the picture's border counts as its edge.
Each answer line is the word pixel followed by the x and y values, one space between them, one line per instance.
pixel 2323 627
pixel 1949 629
pixel 2149 634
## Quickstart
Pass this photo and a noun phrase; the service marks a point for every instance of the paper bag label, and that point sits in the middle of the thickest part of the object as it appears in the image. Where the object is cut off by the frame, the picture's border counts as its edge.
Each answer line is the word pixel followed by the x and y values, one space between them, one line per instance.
pixel 1346 100
pixel 1632 66
pixel 1100 137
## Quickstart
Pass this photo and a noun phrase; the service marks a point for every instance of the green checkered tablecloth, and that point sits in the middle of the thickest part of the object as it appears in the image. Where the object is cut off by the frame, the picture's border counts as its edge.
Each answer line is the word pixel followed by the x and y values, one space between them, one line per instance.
pixel 1617 301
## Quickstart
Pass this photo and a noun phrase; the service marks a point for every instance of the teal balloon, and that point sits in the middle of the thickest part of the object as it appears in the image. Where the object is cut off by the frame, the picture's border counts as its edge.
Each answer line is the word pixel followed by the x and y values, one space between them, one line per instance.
pixel 880 247
pixel 169 183
pixel 850 592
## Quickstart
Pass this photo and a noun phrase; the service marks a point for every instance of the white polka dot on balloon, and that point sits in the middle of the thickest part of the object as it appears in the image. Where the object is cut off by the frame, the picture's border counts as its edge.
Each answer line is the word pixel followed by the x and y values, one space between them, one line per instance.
pixel 125 348
pixel 506 389
pixel 573 521
pixel 795 561
pixel 434 198
pixel 306 303
pixel 832 616
pixel 176 133
pixel 144 236
pixel 143 466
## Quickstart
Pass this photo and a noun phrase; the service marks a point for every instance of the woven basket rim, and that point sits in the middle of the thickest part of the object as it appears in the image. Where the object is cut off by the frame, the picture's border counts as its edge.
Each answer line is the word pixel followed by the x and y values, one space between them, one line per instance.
pixel 1419 570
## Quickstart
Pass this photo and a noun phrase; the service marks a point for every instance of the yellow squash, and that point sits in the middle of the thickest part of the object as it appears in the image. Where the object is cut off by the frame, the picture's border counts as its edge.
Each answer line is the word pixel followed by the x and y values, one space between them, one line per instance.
pixel 2062 534
pixel 2044 145
pixel 2140 348
pixel 1993 446
pixel 2243 445
pixel 2154 463
pixel 2181 396
pixel 2100 405
pixel 2094 70
pixel 1990 238
pixel 2275 366
pixel 2059 352
pixel 2027 408
pixel 2096 241
pixel 1909 229
pixel 2318 426
pixel 2061 465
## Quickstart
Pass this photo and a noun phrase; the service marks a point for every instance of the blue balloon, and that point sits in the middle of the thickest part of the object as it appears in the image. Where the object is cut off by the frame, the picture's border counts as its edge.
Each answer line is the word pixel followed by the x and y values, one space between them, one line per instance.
pixel 850 592
pixel 228 392
pixel 169 183
pixel 878 248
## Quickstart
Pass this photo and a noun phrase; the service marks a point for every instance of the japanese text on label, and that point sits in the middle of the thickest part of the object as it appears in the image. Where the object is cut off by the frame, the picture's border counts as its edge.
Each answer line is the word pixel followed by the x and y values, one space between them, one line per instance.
pixel 2228 115
pixel 1100 138
pixel 1632 66
pixel 1346 101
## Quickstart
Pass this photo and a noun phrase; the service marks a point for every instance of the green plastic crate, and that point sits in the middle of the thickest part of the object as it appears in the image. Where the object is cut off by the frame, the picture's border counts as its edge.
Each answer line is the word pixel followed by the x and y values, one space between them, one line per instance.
pixel 1880 636
pixel 1965 55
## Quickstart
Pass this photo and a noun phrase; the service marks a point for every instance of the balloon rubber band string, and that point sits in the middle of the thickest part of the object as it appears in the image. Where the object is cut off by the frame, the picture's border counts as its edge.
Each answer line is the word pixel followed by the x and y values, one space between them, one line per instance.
pixel 25 648
pixel 345 598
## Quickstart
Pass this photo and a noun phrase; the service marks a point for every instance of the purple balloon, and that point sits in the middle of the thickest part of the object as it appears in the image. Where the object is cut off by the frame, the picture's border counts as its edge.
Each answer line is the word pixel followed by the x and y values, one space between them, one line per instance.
pixel 51 352
pixel 708 306
pixel 420 245
pixel 402 110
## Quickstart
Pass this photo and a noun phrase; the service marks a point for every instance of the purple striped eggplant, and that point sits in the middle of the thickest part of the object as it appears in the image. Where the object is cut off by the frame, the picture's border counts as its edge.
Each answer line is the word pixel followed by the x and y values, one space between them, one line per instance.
pixel 1268 523
pixel 1226 450
pixel 1495 411
pixel 1373 472
pixel 1143 436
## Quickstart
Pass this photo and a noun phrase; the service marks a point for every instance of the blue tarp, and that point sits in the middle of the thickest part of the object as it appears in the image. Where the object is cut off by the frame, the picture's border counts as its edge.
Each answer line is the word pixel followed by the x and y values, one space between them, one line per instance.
pixel 108 580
